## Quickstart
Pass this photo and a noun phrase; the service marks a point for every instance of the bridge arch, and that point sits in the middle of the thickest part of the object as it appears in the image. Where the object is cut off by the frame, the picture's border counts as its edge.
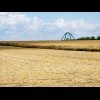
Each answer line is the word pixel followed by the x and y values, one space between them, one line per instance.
pixel 71 37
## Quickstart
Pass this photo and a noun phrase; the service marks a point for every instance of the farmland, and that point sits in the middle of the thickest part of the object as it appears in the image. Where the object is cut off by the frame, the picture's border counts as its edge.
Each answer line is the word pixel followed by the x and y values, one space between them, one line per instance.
pixel 41 66
pixel 77 45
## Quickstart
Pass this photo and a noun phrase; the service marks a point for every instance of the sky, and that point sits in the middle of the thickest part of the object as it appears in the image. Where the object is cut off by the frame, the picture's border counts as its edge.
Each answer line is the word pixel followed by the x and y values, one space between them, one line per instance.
pixel 47 25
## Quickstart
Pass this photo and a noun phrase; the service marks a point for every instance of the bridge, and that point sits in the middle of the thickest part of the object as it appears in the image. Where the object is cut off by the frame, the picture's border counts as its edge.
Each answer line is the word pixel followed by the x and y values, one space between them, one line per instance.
pixel 65 36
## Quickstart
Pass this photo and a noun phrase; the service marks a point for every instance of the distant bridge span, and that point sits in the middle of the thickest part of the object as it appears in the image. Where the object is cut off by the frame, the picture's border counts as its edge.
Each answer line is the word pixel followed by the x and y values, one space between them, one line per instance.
pixel 71 37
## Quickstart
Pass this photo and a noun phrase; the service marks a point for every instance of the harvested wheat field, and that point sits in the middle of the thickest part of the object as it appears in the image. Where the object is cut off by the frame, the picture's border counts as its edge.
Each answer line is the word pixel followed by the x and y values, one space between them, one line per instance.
pixel 74 45
pixel 48 67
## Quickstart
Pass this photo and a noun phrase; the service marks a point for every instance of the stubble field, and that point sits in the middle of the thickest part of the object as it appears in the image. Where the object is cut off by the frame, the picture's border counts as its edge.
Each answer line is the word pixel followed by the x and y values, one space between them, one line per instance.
pixel 47 67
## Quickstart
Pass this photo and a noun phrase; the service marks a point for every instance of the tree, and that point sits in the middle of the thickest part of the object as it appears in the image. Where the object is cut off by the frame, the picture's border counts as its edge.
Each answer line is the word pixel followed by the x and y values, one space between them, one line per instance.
pixel 88 38
pixel 92 38
pixel 98 38
pixel 82 38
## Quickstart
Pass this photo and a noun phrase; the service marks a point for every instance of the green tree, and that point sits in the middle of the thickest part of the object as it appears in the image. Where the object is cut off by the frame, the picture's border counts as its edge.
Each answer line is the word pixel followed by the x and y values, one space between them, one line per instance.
pixel 88 38
pixel 82 38
pixel 92 38
pixel 98 38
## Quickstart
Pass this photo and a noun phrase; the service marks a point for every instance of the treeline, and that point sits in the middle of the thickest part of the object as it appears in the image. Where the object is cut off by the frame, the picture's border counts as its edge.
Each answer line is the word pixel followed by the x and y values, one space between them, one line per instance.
pixel 89 38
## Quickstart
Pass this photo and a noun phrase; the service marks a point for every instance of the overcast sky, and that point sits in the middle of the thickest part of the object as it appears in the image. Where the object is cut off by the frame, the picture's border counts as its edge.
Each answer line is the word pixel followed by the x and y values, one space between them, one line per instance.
pixel 48 25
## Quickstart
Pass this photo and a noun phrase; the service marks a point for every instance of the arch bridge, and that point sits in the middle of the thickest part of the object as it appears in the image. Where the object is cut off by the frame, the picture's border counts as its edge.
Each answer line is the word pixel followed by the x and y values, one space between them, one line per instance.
pixel 65 36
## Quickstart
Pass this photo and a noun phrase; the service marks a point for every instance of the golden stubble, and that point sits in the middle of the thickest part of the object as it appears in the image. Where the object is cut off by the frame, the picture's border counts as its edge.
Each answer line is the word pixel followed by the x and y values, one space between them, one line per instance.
pixel 50 68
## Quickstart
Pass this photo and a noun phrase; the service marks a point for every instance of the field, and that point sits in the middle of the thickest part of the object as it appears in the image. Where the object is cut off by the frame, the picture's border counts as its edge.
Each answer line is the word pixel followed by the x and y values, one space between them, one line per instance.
pixel 75 45
pixel 49 67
